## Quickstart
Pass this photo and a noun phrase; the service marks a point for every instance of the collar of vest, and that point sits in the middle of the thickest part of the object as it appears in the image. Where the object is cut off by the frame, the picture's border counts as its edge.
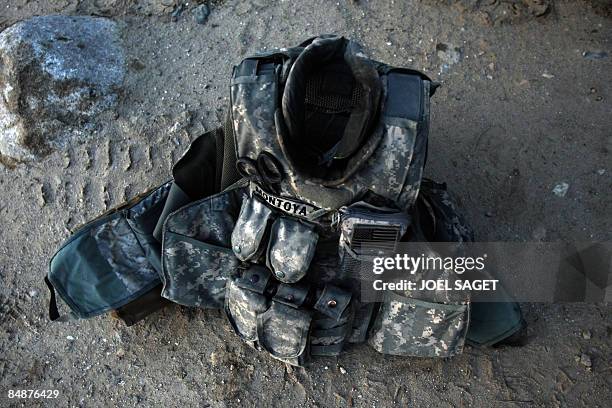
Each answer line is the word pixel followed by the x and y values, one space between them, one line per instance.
pixel 318 53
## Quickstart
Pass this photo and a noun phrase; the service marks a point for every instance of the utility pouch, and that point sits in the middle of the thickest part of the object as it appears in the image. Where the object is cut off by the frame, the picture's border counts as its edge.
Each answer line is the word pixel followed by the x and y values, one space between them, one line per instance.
pixel 413 327
pixel 291 248
pixel 284 319
pixel 333 322
pixel 110 261
pixel 278 324
pixel 250 229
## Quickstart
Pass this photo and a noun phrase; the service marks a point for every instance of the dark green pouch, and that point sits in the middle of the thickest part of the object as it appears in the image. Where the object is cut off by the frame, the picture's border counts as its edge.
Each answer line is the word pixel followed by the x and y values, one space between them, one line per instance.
pixel 110 261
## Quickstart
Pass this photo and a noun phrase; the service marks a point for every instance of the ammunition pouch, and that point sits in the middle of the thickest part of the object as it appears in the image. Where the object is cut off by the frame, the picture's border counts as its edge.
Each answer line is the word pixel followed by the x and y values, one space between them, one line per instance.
pixel 289 321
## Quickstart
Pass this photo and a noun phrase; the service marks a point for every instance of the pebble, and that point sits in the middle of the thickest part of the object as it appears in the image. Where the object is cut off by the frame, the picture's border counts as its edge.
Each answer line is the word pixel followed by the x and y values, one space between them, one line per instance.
pixel 560 189
pixel 201 13
pixel 585 360
pixel 547 75
pixel 586 334
pixel 69 338
pixel 594 55
pixel 33 293
pixel 601 172
pixel 448 53
pixel 342 370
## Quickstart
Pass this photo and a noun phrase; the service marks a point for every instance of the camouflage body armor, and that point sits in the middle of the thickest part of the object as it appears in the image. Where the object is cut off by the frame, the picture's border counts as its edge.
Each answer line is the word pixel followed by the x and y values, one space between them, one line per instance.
pixel 279 249
pixel 267 217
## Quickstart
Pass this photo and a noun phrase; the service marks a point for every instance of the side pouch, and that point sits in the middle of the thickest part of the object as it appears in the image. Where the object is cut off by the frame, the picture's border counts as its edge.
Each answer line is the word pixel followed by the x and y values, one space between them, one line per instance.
pixel 196 258
pixel 110 261
pixel 291 248
pixel 250 229
pixel 412 327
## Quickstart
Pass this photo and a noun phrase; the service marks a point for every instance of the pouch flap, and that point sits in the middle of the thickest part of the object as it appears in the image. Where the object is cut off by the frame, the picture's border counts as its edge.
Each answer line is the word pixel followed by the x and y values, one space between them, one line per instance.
pixel 283 331
pixel 291 248
pixel 333 301
pixel 250 229
pixel 255 279
pixel 195 272
pixel 291 295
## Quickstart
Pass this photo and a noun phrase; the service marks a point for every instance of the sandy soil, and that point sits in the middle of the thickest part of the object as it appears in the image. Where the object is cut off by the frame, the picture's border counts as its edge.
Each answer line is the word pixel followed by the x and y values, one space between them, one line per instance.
pixel 520 111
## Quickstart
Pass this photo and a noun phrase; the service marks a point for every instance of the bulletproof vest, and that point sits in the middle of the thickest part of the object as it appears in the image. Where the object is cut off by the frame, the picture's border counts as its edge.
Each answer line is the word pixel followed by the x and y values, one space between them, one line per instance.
pixel 269 218
pixel 280 250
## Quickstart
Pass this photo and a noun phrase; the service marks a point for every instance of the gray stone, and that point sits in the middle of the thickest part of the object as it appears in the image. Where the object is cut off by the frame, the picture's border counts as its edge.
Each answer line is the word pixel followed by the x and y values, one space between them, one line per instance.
pixel 56 74
pixel 560 189
pixel 201 13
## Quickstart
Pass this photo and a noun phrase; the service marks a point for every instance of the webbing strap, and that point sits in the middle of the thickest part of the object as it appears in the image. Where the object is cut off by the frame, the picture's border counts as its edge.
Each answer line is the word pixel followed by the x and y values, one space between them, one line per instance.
pixel 53 312
pixel 54 315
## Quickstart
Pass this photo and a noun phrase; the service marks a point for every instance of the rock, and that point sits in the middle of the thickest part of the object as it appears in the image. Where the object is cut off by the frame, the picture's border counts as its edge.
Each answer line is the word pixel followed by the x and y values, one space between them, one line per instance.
pixel 201 13
pixel 594 55
pixel 560 189
pixel 586 334
pixel 585 360
pixel 57 74
pixel 70 338
pixel 342 370
pixel 448 53
pixel 547 75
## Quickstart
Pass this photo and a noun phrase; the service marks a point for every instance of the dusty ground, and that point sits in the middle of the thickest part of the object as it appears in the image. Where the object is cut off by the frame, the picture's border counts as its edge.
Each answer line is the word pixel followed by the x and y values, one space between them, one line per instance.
pixel 519 112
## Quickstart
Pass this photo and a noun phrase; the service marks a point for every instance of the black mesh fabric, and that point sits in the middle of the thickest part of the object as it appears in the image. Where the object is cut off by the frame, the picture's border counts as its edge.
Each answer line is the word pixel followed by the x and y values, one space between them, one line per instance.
pixel 319 100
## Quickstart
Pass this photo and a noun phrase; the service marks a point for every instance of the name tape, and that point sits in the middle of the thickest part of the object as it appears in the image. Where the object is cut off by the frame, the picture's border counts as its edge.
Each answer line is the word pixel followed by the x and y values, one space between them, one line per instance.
pixel 287 205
